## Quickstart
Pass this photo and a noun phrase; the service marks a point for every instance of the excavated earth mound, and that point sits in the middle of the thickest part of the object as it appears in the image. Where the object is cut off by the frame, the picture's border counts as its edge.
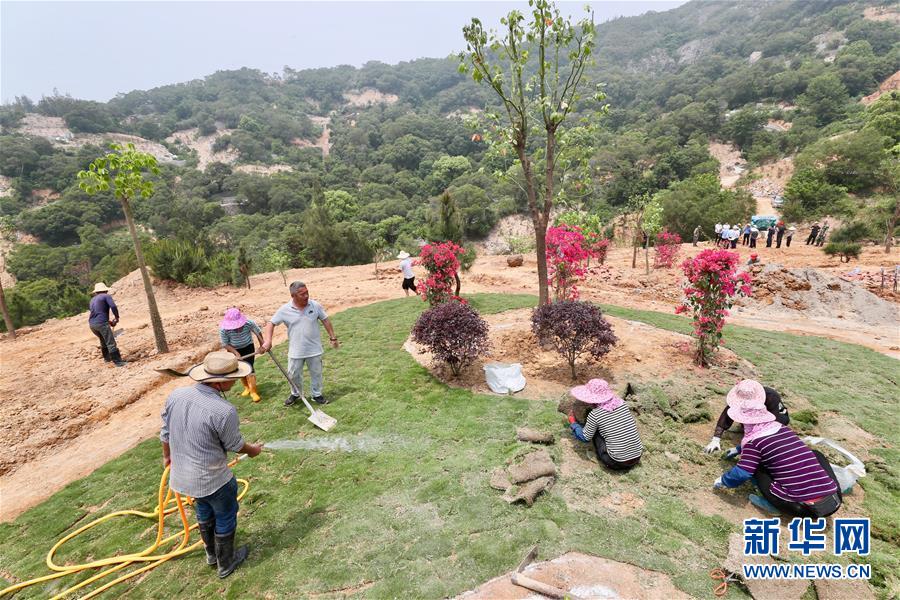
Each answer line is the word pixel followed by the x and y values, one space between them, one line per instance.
pixel 777 289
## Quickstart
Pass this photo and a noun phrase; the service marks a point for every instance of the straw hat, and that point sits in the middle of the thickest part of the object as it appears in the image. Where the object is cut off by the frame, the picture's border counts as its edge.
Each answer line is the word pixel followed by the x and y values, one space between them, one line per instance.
pixel 234 319
pixel 99 288
pixel 403 254
pixel 595 391
pixel 747 403
pixel 219 367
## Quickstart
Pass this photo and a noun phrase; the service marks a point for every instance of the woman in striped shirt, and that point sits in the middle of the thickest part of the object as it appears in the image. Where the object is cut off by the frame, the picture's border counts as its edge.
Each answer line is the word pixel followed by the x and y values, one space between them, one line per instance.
pixel 235 333
pixel 792 478
pixel 607 422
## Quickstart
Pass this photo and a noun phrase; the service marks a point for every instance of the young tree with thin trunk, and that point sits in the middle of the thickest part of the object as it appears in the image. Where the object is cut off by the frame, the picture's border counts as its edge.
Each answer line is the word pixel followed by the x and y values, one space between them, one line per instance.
pixel 123 170
pixel 536 69
pixel 7 319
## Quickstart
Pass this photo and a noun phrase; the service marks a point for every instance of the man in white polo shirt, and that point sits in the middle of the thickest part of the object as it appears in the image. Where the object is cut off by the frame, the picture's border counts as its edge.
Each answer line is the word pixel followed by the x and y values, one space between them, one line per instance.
pixel 301 316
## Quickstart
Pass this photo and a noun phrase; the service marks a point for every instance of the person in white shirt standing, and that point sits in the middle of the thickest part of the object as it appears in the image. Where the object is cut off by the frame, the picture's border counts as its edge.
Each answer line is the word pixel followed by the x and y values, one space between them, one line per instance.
pixel 301 316
pixel 409 277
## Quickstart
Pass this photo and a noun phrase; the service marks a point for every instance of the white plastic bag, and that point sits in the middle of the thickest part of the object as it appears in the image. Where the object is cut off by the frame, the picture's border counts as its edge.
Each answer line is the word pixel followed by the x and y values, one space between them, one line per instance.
pixel 848 475
pixel 504 378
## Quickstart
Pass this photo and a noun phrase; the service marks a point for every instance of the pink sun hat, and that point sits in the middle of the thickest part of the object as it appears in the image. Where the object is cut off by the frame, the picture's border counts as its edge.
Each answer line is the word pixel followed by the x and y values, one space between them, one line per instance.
pixel 747 403
pixel 596 391
pixel 234 319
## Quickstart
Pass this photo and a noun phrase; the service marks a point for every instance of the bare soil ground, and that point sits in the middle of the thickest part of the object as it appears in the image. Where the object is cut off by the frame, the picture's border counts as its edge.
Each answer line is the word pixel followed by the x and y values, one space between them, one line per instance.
pixel 641 349
pixel 66 412
pixel 891 83
pixel 203 146
pixel 731 164
pixel 585 576
pixel 369 96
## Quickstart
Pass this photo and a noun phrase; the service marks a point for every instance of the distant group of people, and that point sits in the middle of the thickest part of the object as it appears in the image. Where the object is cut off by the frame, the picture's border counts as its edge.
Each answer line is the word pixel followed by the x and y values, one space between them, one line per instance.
pixel 727 235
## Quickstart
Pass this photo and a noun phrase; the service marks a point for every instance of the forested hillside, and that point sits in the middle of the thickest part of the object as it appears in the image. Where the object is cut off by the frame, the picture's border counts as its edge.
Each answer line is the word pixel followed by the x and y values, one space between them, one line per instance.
pixel 340 165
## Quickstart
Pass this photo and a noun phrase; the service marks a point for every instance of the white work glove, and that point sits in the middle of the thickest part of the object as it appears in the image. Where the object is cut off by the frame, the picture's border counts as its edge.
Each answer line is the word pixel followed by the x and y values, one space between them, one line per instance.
pixel 717 484
pixel 733 453
pixel 713 445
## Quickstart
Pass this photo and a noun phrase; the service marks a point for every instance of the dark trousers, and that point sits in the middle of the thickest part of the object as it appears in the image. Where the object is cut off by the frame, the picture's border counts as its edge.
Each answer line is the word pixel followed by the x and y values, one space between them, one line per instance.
pixel 811 239
pixel 787 241
pixel 800 509
pixel 221 506
pixel 768 241
pixel 746 239
pixel 604 457
pixel 734 243
pixel 753 242
pixel 107 340
pixel 778 240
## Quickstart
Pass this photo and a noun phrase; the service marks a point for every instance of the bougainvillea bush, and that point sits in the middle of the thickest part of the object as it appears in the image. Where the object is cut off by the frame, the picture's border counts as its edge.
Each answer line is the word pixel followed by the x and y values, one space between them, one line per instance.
pixel 573 328
pixel 441 260
pixel 709 292
pixel 454 333
pixel 666 250
pixel 567 256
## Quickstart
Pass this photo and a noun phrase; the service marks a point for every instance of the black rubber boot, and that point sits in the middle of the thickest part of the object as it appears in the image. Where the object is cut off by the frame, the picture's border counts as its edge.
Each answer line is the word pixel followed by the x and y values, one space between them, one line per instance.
pixel 208 535
pixel 105 352
pixel 227 557
pixel 291 400
pixel 116 358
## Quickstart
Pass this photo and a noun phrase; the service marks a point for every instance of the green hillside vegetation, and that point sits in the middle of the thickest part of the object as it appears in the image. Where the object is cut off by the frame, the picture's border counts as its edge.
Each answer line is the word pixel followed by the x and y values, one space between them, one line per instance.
pixel 673 81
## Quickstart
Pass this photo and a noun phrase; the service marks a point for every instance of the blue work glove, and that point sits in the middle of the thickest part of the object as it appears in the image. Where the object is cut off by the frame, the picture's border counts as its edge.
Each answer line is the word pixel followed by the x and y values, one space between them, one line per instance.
pixel 733 453
pixel 717 484
pixel 577 431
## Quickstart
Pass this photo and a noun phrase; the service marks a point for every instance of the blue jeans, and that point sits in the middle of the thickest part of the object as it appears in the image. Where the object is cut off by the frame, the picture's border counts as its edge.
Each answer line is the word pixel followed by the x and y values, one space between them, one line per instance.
pixel 221 505
pixel 295 372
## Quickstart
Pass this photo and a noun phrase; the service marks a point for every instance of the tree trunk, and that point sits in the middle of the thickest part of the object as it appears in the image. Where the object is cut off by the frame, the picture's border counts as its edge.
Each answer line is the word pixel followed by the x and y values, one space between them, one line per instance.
pixel 10 328
pixel 647 256
pixel 161 346
pixel 892 223
pixel 637 230
pixel 458 284
pixel 539 221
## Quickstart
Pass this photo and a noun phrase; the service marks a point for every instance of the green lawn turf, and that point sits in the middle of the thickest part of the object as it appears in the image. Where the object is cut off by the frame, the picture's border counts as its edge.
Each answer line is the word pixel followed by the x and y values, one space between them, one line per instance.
pixel 408 513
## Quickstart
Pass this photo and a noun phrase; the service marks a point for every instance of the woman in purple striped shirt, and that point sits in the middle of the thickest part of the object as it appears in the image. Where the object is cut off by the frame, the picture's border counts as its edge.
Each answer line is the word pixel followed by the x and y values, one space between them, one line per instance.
pixel 792 478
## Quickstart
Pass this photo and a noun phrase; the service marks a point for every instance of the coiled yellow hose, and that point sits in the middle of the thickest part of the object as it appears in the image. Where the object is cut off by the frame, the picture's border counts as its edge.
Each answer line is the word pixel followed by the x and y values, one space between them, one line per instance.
pixel 165 498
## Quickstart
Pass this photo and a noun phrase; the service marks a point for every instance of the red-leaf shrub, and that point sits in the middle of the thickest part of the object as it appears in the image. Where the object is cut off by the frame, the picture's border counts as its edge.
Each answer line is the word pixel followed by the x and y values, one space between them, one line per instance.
pixel 666 250
pixel 599 246
pixel 712 283
pixel 454 333
pixel 441 260
pixel 566 257
pixel 573 328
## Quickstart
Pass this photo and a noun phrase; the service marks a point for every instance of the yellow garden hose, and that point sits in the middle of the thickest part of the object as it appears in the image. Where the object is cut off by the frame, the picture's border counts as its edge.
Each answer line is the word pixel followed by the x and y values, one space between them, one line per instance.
pixel 165 498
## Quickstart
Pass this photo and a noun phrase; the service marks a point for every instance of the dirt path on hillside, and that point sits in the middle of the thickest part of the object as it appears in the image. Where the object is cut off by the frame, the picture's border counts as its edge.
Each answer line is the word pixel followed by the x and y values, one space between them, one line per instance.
pixel 66 412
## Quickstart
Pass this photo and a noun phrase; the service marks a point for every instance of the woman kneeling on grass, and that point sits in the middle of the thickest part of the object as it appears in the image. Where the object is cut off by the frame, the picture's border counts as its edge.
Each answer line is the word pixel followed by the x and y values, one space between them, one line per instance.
pixel 792 478
pixel 773 404
pixel 604 419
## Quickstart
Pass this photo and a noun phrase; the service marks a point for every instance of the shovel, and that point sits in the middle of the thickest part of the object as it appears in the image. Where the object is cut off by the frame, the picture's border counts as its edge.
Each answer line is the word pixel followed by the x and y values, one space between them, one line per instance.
pixel 521 580
pixel 316 417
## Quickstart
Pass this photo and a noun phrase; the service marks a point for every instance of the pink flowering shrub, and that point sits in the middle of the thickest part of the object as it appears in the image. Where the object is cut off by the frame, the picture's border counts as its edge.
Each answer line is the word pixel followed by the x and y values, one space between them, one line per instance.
pixel 709 292
pixel 566 257
pixel 441 260
pixel 666 250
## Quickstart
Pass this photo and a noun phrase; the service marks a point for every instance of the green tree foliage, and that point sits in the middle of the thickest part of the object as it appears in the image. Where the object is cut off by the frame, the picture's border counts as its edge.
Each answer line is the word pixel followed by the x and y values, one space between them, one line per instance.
pixel 809 195
pixel 825 98
pixel 447 223
pixel 341 205
pixel 327 243
pixel 535 89
pixel 36 301
pixel 123 170
pixel 701 201
pixel 743 125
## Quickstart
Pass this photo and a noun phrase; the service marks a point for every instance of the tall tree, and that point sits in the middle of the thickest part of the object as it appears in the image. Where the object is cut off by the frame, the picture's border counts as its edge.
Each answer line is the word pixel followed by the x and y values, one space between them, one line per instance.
pixel 536 69
pixel 447 225
pixel 124 169
pixel 7 319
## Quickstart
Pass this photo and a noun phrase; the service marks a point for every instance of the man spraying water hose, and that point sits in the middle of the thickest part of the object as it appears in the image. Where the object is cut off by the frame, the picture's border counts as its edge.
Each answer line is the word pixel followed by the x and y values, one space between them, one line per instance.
pixel 199 427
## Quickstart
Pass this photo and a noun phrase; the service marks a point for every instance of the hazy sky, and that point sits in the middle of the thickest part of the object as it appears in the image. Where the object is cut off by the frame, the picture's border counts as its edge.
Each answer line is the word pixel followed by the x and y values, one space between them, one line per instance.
pixel 94 50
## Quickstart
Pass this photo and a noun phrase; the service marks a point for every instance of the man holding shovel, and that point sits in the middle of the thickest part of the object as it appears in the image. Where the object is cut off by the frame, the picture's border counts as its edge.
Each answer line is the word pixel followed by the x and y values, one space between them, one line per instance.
pixel 101 325
pixel 199 427
pixel 301 316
